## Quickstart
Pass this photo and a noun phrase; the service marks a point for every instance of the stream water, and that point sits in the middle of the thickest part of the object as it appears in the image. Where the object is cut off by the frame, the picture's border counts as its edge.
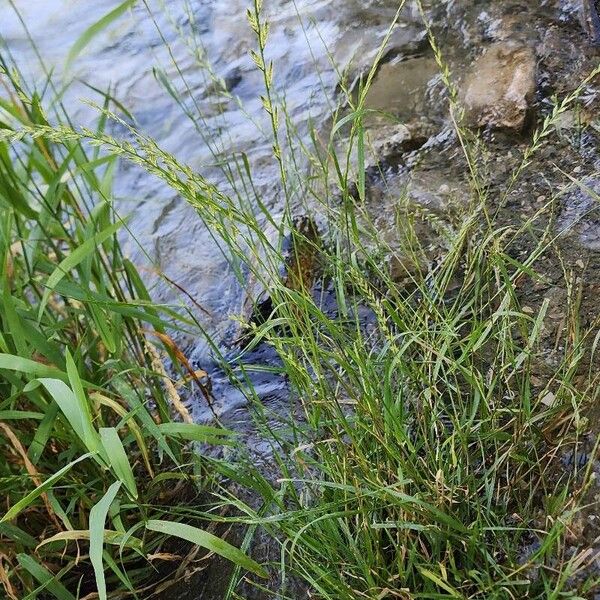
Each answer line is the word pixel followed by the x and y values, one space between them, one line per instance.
pixel 178 39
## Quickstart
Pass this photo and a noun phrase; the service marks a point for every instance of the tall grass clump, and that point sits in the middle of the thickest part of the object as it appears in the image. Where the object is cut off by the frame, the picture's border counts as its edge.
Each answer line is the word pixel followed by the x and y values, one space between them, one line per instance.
pixel 94 436
pixel 428 459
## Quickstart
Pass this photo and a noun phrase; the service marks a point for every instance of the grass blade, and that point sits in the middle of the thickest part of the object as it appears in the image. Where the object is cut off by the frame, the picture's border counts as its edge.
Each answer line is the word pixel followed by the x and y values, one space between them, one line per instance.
pixel 25 502
pixel 196 433
pixel 209 541
pixel 30 367
pixel 116 538
pixel 16 534
pixel 93 30
pixel 44 576
pixel 117 459
pixel 73 259
pixel 97 520
pixel 42 435
pixel 75 410
pixel 79 393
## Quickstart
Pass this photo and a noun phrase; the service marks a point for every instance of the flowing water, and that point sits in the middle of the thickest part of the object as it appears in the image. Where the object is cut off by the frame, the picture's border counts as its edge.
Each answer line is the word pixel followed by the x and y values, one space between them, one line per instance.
pixel 203 49
pixel 178 39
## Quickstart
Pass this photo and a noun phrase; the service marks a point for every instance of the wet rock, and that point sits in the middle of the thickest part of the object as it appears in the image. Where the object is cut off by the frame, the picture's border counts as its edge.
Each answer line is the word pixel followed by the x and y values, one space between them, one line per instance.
pixel 391 142
pixel 298 272
pixel 590 19
pixel 580 215
pixel 413 225
pixel 500 87
pixel 302 255
pixel 401 86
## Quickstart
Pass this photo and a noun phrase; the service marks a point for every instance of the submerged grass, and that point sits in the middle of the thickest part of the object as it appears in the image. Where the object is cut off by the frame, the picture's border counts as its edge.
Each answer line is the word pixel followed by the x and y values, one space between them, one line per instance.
pixel 428 460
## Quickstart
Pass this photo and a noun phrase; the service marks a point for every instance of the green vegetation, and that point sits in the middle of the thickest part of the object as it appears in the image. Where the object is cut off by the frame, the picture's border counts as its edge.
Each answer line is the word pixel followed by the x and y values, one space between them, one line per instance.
pixel 428 461
pixel 89 448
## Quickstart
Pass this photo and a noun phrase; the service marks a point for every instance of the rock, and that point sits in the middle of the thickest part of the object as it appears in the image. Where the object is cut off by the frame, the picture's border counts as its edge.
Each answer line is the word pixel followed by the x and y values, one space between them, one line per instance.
pixel 401 87
pixel 413 215
pixel 389 140
pixel 579 218
pixel 298 271
pixel 571 120
pixel 500 87
pixel 590 18
pixel 302 255
pixel 390 143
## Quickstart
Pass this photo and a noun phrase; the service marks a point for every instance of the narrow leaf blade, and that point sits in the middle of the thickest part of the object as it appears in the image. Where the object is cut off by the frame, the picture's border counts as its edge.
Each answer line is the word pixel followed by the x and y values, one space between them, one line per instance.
pixel 97 520
pixel 25 502
pixel 88 35
pixel 117 458
pixel 209 541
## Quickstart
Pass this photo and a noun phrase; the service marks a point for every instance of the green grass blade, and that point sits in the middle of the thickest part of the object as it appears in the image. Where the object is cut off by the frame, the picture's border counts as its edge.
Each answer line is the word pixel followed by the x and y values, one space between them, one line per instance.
pixel 93 30
pixel 76 412
pixel 196 433
pixel 97 520
pixel 12 323
pixel 144 416
pixel 78 391
pixel 117 458
pixel 120 573
pixel 42 435
pixel 116 538
pixel 17 415
pixel 106 327
pixel 16 534
pixel 438 581
pixel 44 576
pixel 209 541
pixel 30 367
pixel 72 260
pixel 25 502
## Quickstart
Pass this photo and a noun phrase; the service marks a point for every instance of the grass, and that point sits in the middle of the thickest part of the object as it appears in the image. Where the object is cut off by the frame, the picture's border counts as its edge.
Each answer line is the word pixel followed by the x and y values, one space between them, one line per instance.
pixel 428 460
pixel 92 455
